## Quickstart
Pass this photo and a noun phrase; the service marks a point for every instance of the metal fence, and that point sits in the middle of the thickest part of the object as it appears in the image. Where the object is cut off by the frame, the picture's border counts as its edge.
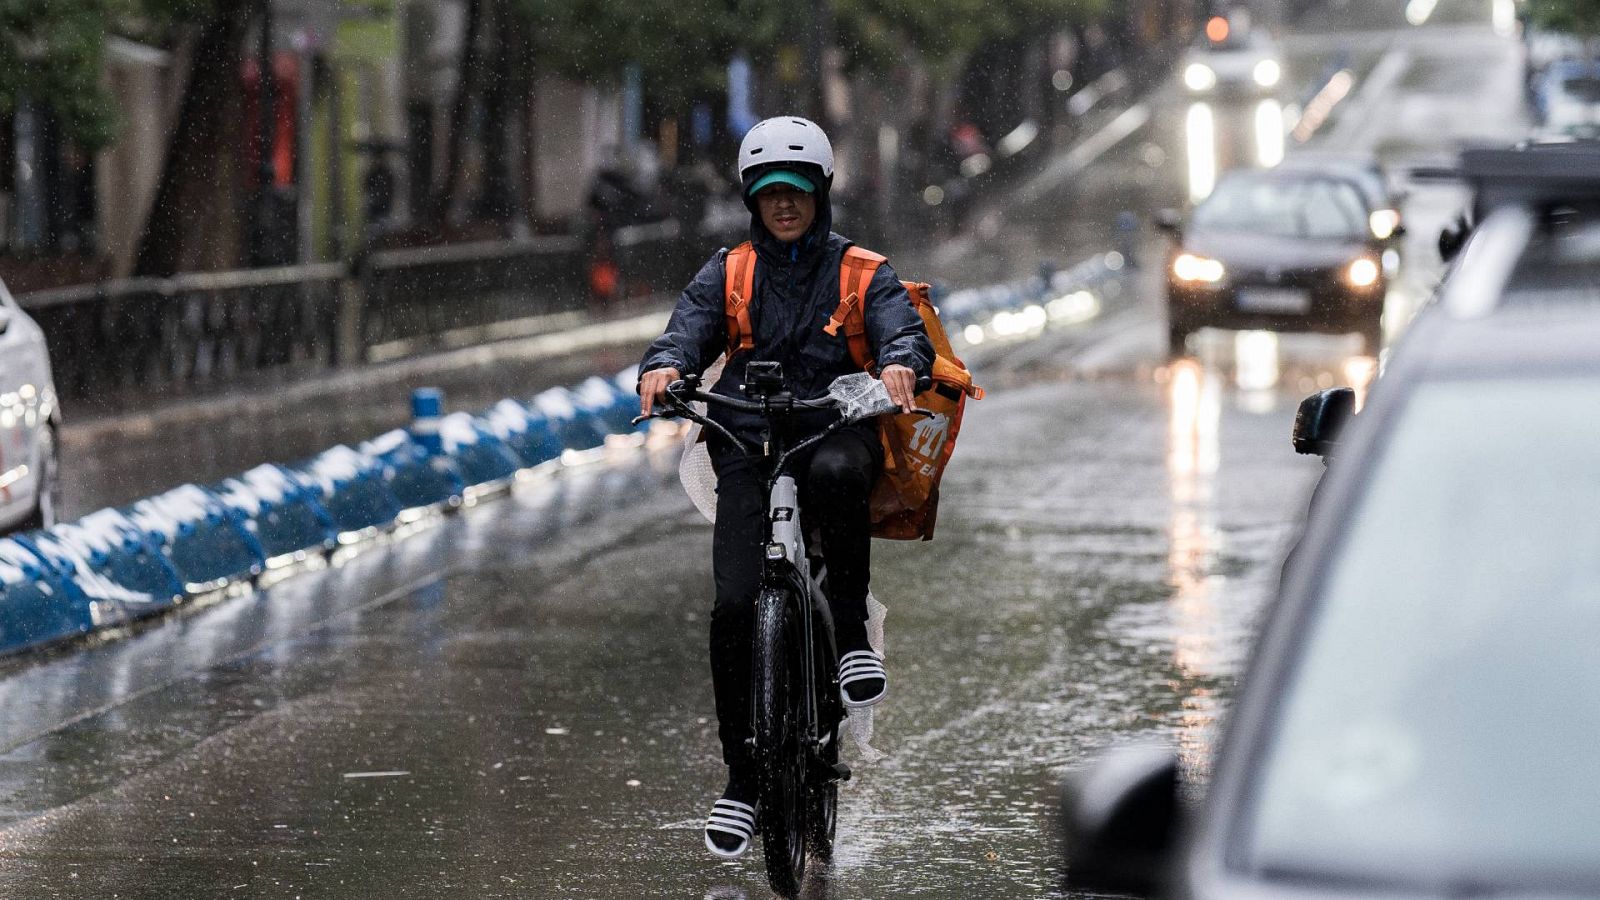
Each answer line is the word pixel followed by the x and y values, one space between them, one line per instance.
pixel 123 340
pixel 414 300
pixel 154 334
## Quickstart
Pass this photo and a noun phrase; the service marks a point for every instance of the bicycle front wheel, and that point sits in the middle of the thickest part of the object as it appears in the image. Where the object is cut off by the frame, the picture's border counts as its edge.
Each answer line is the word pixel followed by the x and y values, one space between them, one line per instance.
pixel 780 750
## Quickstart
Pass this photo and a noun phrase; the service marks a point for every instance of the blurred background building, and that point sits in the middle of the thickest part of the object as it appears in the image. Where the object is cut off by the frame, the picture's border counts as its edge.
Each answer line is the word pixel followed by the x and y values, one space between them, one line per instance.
pixel 195 135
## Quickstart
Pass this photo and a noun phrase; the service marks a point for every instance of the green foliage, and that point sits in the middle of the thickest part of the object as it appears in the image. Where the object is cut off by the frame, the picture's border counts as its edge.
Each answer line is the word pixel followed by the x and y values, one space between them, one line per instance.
pixel 683 46
pixel 1579 17
pixel 53 52
pixel 880 33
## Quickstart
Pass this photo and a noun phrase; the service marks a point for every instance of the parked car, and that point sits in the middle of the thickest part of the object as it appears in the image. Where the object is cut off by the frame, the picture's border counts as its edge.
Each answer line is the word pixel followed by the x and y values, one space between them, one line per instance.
pixel 1418 718
pixel 1290 249
pixel 30 480
pixel 1567 97
pixel 1232 58
pixel 1540 48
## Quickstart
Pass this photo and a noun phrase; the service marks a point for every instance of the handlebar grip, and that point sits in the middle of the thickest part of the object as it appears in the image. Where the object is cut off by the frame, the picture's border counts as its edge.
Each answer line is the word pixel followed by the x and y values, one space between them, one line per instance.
pixel 924 383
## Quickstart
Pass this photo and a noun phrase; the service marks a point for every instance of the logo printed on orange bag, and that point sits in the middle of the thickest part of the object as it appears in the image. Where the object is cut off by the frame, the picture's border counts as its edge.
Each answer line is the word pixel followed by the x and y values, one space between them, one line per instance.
pixel 930 437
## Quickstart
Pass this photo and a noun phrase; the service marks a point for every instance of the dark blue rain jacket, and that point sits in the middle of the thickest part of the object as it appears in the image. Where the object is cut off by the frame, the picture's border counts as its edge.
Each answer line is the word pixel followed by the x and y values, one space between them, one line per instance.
pixel 796 291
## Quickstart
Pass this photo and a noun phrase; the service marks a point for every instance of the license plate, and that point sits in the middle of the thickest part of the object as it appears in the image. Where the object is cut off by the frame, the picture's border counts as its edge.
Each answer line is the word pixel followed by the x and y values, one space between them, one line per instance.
pixel 1274 300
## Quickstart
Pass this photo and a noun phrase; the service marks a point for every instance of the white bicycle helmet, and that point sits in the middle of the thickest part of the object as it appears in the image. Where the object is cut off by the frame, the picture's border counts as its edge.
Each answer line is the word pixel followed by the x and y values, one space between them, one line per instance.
pixel 786 139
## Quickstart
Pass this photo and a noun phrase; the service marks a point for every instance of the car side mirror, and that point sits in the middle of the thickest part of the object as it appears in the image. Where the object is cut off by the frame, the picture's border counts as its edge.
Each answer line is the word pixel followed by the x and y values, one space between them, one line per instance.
pixel 1119 822
pixel 1320 419
pixel 1452 238
pixel 1170 221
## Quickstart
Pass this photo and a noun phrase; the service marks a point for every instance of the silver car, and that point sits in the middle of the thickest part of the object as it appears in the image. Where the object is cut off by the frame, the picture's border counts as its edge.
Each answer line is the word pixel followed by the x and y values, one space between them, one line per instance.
pixel 30 484
pixel 1419 718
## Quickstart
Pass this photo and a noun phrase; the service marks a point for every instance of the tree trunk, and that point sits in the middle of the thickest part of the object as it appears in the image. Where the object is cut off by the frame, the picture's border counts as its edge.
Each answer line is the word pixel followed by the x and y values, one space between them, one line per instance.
pixel 460 110
pixel 196 221
pixel 527 160
pixel 496 200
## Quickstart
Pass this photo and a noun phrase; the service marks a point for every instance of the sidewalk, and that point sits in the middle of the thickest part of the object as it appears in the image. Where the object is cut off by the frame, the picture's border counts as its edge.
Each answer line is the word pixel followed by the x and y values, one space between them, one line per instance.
pixel 115 459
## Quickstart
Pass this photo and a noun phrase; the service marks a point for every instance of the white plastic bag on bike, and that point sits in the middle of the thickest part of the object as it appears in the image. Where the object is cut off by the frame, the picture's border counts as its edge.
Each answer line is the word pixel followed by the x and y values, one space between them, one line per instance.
pixel 859 723
pixel 859 395
pixel 694 468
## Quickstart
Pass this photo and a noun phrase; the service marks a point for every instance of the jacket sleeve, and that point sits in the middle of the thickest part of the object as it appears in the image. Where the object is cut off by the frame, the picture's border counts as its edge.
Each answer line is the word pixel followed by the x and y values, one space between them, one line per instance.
pixel 697 330
pixel 894 328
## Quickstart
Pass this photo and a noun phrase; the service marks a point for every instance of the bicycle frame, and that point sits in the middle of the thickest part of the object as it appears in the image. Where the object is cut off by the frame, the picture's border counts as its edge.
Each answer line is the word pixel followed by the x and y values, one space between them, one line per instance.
pixel 790 745
pixel 786 563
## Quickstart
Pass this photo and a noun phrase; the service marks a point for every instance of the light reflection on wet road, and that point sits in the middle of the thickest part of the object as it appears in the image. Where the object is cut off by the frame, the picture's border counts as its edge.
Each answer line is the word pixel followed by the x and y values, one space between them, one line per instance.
pixel 516 704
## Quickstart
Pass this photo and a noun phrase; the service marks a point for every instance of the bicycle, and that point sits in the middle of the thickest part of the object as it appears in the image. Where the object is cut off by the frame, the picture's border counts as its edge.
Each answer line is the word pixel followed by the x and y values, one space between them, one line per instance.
pixel 796 709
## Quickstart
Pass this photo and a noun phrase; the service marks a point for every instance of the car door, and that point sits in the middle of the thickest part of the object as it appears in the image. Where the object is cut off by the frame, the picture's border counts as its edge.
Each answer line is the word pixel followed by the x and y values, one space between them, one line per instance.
pixel 23 383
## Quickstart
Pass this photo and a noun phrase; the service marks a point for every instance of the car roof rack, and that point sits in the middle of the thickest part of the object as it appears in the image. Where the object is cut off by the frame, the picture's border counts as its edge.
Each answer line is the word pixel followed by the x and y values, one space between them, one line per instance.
pixel 1516 192
pixel 1540 176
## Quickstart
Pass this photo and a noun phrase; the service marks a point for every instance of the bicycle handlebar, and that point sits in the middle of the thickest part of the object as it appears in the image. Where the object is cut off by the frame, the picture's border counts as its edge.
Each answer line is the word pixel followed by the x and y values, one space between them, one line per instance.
pixel 679 394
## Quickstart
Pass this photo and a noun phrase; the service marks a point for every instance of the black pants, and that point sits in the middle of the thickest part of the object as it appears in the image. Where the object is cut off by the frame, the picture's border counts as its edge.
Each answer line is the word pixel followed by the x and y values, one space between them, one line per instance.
pixel 835 485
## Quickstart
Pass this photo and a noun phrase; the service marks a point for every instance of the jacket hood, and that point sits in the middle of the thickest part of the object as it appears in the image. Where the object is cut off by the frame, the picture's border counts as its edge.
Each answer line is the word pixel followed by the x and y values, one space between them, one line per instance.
pixel 812 245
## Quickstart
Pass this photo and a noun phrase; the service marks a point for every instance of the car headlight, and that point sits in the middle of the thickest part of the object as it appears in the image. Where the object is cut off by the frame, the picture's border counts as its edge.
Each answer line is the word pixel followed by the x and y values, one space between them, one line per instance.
pixel 1362 272
pixel 1197 269
pixel 1267 72
pixel 1383 222
pixel 1199 77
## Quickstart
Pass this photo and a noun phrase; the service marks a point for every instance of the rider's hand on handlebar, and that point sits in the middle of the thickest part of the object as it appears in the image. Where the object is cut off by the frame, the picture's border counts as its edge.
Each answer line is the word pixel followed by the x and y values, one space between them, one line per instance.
pixel 901 383
pixel 652 385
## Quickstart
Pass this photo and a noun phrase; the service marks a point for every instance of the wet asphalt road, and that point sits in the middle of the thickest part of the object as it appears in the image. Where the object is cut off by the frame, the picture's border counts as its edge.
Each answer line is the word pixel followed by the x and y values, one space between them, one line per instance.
pixel 515 702
pixel 547 702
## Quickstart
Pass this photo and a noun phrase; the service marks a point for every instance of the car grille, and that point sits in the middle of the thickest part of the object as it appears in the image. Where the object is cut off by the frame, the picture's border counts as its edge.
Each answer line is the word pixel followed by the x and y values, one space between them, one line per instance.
pixel 1305 278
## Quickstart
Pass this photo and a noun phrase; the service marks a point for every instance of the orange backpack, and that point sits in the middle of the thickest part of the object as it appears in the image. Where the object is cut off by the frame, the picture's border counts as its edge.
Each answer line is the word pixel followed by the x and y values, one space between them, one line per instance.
pixel 916 449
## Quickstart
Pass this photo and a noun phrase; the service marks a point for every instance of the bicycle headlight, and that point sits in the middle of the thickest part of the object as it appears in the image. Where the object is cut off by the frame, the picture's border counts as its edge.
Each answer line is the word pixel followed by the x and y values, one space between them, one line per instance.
pixel 1199 77
pixel 1191 268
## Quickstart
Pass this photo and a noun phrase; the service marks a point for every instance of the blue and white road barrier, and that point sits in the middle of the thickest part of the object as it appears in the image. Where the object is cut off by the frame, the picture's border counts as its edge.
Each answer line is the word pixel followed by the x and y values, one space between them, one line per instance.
pixel 116 566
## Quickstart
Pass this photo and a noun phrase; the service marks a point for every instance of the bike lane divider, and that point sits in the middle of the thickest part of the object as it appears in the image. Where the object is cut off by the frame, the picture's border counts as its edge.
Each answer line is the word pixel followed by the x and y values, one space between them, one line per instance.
pixel 193 545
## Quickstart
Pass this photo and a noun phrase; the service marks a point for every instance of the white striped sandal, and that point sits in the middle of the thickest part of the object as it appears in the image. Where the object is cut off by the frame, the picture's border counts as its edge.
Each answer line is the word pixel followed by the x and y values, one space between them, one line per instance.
pixel 862 679
pixel 730 828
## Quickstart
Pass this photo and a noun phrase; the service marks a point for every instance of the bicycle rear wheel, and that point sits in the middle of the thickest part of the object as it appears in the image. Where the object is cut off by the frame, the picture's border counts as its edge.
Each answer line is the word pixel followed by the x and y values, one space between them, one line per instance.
pixel 780 751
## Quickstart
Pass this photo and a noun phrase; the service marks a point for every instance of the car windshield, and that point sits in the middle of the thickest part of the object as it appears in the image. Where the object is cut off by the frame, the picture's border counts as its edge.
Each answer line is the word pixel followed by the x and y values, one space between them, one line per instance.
pixel 1440 726
pixel 1314 208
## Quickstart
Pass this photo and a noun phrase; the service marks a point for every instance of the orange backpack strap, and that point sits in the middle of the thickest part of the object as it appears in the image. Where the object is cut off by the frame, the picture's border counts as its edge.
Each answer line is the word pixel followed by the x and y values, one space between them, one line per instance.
pixel 739 281
pixel 855 275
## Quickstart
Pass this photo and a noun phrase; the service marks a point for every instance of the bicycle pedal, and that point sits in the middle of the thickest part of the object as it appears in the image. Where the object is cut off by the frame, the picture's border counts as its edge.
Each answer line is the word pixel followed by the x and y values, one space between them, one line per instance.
pixel 823 770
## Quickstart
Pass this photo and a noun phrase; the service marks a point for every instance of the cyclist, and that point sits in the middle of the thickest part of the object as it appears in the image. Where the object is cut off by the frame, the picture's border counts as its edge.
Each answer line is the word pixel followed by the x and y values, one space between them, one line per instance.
pixel 786 170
